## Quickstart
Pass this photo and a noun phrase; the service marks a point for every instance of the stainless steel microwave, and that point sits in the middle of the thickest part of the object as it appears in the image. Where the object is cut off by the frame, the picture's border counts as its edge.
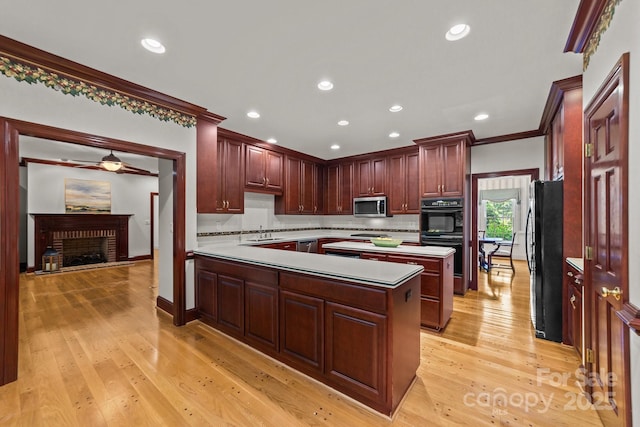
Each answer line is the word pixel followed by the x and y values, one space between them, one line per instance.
pixel 370 207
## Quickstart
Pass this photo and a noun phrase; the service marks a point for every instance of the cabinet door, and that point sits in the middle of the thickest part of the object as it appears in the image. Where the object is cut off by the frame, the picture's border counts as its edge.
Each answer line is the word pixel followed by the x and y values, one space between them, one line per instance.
pixel 255 167
pixel 333 190
pixel 397 184
pixel 230 290
pixel 261 315
pixel 301 330
pixel 318 189
pixel 373 256
pixel 453 171
pixel 364 186
pixel 307 187
pixel 346 188
pixel 274 163
pixel 379 176
pixel 412 189
pixel 232 176
pixel 206 283
pixel 430 159
pixel 356 350
pixel 292 189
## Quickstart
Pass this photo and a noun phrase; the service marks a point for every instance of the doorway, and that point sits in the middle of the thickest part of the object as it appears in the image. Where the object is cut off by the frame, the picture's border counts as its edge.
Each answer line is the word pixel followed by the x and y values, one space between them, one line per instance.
pixel 533 174
pixel 10 219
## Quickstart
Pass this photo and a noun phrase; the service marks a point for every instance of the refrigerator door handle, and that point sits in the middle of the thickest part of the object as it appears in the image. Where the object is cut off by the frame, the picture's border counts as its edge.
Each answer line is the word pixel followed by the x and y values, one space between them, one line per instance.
pixel 526 240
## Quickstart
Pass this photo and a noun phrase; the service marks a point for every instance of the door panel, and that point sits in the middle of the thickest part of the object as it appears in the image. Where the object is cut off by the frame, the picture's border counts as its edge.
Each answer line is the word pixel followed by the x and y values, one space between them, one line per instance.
pixel 606 233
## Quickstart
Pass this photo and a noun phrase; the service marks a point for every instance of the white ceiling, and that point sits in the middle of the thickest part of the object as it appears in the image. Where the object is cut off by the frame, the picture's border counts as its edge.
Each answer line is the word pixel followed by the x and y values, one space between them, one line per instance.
pixel 233 56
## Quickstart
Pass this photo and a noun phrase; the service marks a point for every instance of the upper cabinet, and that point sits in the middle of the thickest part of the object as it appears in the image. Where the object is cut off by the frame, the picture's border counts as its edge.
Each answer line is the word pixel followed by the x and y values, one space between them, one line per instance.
pixel 230 192
pixel 443 166
pixel 207 163
pixel 303 188
pixel 404 196
pixel 371 177
pixel 339 188
pixel 263 170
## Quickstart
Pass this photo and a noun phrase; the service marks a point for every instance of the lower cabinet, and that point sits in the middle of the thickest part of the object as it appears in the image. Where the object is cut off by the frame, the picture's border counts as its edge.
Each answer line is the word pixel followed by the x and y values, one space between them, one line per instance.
pixel 301 330
pixel 361 340
pixel 574 308
pixel 356 350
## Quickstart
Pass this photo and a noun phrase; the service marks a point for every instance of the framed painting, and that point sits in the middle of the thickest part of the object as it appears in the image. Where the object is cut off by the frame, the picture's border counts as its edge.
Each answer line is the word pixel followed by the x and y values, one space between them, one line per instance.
pixel 84 196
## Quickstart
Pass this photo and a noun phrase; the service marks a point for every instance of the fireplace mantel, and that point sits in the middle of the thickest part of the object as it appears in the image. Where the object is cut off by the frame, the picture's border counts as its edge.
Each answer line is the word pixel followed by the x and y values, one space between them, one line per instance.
pixel 46 224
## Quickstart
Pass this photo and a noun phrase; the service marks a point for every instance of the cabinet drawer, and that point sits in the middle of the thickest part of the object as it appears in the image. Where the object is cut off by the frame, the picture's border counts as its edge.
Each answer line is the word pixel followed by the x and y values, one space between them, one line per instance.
pixel 430 312
pixel 429 264
pixel 430 285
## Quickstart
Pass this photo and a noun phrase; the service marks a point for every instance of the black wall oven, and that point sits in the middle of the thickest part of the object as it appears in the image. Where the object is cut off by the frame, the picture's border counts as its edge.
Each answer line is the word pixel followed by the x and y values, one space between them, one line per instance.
pixel 441 224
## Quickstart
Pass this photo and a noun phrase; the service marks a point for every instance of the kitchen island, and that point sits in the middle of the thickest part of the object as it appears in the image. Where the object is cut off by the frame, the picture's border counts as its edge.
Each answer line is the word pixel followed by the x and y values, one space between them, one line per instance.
pixel 436 295
pixel 348 323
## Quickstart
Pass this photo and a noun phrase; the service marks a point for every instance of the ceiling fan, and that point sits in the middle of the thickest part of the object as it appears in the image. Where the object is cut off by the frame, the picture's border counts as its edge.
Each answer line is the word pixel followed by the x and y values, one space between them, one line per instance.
pixel 112 163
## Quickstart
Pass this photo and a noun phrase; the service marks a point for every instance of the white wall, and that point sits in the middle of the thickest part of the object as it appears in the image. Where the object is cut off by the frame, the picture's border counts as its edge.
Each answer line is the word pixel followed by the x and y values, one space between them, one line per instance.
pixel 130 194
pixel 623 36
pixel 36 103
pixel 511 155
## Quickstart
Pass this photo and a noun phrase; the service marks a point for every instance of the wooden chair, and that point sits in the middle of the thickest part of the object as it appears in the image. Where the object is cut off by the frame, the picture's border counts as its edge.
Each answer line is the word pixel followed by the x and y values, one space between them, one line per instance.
pixel 503 253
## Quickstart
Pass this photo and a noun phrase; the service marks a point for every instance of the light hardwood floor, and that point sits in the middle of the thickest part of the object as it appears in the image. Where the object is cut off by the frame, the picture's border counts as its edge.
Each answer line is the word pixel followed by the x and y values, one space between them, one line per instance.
pixel 95 351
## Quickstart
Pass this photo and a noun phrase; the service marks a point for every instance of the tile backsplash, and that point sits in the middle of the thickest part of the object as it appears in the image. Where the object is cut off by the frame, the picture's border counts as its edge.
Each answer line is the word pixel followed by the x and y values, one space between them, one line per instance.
pixel 259 212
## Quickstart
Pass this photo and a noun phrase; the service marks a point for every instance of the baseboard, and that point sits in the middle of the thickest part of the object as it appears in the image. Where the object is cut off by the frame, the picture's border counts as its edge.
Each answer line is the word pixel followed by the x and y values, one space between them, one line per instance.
pixel 140 257
pixel 167 306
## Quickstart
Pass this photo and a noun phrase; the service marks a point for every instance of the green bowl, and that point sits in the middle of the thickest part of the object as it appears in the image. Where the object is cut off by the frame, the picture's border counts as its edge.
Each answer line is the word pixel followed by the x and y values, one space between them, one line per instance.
pixel 386 242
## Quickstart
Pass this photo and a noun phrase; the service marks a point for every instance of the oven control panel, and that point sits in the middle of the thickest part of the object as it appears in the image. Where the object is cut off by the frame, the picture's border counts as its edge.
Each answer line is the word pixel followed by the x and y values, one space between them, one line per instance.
pixel 441 203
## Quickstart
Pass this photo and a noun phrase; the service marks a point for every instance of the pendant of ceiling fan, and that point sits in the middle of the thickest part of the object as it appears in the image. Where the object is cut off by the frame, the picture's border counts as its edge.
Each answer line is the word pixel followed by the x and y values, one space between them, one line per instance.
pixel 111 163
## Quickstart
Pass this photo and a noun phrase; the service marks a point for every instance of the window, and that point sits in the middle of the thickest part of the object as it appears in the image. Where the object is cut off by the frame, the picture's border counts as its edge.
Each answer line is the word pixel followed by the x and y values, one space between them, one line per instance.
pixel 499 218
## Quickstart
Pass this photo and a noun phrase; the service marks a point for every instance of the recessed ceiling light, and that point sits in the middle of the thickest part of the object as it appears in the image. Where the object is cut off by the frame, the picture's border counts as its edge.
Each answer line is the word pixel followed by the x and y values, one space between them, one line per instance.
pixel 153 45
pixel 395 108
pixel 343 122
pixel 335 147
pixel 325 85
pixel 253 114
pixel 457 32
pixel 394 135
pixel 272 141
pixel 481 116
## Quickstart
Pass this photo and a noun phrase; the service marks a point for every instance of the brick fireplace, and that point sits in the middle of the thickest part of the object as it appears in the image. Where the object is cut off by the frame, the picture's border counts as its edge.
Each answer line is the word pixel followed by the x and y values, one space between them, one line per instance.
pixel 82 238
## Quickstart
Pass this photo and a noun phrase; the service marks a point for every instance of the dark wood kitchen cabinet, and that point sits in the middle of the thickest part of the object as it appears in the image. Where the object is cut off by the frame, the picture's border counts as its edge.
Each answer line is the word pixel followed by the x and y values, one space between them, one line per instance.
pixel 263 170
pixel 301 330
pixel 240 300
pixel 436 288
pixel 371 177
pixel 404 194
pixel 574 283
pixel 442 168
pixel 302 189
pixel 355 347
pixel 229 188
pixel 339 189
pixel 362 340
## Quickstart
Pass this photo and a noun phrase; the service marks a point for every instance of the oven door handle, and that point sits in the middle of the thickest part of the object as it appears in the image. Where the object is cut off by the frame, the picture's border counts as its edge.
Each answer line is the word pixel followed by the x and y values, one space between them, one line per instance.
pixel 440 210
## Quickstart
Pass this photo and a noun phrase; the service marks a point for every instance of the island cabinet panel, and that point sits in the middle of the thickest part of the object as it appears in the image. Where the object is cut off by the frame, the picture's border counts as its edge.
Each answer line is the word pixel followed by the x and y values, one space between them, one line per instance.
pixel 436 288
pixel 356 350
pixel 302 330
pixel 230 304
pixel 261 315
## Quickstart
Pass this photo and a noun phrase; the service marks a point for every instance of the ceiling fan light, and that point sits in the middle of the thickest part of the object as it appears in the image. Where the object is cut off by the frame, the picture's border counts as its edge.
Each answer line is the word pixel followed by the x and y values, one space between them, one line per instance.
pixel 111 166
pixel 111 163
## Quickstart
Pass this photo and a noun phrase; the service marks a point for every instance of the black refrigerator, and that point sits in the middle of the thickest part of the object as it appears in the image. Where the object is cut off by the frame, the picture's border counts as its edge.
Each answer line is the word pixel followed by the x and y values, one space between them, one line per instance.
pixel 544 256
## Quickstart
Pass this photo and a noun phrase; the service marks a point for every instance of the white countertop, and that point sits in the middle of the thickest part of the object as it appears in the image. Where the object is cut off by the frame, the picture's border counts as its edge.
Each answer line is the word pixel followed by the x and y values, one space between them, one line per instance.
pixel 431 251
pixel 577 263
pixel 363 271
